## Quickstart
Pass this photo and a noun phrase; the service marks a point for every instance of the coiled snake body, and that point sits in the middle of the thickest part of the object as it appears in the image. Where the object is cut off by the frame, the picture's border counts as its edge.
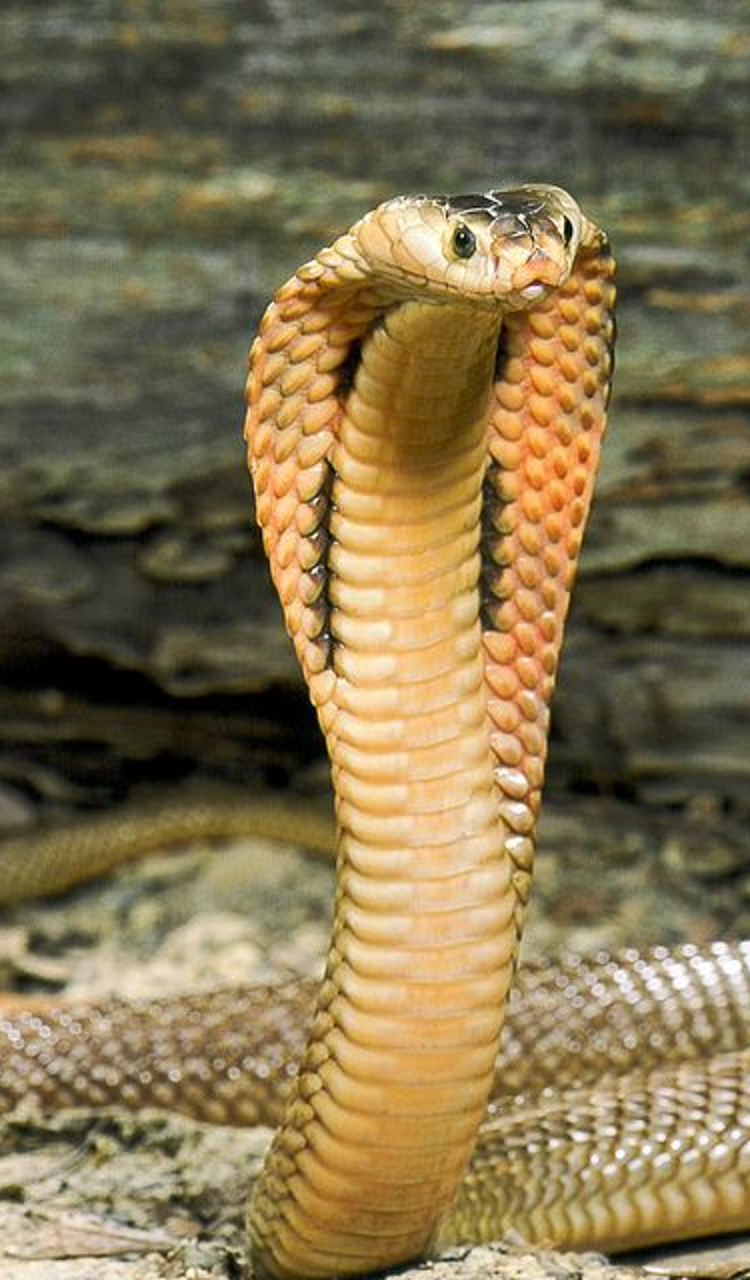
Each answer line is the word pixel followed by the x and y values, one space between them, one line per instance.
pixel 426 403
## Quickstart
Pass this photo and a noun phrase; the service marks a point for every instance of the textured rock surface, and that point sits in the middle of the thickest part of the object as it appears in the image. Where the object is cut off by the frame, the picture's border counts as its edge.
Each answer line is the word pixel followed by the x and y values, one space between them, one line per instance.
pixel 165 166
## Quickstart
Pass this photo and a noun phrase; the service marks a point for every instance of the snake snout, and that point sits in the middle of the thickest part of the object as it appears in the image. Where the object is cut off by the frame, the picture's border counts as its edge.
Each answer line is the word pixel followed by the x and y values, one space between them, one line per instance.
pixel 539 271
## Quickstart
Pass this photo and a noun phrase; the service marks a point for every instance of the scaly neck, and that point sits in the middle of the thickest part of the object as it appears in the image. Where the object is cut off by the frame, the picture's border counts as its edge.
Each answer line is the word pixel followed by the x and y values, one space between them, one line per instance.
pixel 409 1016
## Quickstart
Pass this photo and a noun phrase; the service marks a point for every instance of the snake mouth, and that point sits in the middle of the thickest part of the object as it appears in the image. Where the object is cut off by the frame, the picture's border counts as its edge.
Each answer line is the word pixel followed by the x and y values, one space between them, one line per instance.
pixel 538 273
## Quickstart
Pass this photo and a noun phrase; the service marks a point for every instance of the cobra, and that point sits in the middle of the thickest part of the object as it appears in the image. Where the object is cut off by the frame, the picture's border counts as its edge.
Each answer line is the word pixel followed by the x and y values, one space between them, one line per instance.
pixel 427 399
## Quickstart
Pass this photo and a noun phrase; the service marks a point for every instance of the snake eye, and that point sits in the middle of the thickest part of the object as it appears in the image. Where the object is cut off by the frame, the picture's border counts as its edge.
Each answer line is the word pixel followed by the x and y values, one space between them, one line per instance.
pixel 464 241
pixel 568 230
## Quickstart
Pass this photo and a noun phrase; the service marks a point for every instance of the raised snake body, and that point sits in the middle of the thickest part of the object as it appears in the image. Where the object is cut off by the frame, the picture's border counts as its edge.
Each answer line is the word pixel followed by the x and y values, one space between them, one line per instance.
pixel 426 403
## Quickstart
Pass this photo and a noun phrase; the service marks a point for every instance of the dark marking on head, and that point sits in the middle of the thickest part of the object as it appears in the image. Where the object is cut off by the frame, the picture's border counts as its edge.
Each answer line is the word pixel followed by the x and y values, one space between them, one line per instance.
pixel 514 214
pixel 516 203
pixel 475 204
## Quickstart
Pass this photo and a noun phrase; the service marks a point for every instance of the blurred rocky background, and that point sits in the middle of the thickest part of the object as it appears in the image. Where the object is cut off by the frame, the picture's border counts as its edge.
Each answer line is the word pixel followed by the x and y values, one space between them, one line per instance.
pixel 163 166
